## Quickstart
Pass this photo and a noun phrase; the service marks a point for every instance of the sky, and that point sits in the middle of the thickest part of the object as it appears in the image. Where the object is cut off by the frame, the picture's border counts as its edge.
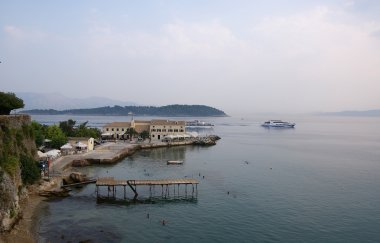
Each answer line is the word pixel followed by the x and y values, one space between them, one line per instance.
pixel 239 56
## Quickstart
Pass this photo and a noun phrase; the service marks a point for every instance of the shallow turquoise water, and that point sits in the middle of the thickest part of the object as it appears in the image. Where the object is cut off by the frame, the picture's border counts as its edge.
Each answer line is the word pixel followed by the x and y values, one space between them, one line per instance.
pixel 318 182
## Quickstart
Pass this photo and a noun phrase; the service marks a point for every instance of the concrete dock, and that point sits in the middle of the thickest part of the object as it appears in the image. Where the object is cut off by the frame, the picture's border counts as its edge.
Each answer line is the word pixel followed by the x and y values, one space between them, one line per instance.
pixel 107 153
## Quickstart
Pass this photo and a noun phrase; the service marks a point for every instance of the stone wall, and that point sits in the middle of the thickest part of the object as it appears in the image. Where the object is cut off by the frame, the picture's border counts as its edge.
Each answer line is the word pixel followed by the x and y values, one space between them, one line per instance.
pixel 16 139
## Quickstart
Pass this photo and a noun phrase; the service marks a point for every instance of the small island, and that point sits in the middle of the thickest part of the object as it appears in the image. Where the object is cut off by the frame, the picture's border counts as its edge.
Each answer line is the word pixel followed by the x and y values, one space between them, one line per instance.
pixel 167 111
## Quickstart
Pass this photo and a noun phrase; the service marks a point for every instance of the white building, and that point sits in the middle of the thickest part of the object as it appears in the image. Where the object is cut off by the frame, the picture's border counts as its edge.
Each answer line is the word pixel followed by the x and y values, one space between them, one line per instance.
pixel 116 130
pixel 157 129
pixel 161 128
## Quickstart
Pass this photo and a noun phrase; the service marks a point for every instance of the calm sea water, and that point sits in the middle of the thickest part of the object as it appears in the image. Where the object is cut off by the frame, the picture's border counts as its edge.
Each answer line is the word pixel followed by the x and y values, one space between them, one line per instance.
pixel 319 182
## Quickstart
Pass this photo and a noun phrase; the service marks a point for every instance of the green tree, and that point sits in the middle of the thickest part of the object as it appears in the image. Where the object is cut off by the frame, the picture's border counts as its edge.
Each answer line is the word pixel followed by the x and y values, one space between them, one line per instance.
pixel 67 127
pixel 9 102
pixel 40 132
pixel 57 137
pixel 93 132
pixel 144 134
pixel 84 131
pixel 131 132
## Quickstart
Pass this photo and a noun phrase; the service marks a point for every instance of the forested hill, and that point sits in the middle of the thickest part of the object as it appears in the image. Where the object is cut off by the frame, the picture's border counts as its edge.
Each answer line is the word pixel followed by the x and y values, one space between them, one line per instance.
pixel 169 110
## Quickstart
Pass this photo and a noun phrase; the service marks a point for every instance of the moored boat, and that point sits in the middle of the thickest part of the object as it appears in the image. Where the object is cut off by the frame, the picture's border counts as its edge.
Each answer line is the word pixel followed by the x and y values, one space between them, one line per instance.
pixel 175 162
pixel 278 123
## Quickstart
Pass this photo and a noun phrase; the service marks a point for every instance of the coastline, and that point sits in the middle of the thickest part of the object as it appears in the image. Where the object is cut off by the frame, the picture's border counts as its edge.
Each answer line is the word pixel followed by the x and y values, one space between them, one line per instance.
pixel 26 229
pixel 109 153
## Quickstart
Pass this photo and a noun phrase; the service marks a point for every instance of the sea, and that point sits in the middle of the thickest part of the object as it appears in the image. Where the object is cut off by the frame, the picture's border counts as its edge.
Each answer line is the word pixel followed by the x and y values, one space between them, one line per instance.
pixel 317 182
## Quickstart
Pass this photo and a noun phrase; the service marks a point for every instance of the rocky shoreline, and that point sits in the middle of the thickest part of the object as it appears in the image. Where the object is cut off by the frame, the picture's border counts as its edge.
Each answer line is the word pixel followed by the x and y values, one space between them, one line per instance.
pixel 25 229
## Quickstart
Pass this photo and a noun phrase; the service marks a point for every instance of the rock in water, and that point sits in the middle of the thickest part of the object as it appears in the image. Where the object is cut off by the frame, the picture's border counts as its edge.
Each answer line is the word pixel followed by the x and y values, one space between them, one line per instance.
pixel 78 177
pixel 74 177
pixel 80 163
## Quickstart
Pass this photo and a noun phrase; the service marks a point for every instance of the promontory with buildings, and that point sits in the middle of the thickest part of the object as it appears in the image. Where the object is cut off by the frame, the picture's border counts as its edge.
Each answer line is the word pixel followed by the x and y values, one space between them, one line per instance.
pixel 36 159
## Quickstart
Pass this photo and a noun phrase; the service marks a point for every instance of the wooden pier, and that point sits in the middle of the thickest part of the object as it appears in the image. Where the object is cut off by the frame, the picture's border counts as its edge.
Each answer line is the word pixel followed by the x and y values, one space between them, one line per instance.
pixel 165 184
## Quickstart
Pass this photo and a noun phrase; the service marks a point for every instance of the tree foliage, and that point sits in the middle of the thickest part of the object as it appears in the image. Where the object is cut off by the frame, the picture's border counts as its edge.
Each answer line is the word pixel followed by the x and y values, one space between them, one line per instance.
pixel 57 137
pixel 67 127
pixel 17 151
pixel 144 134
pixel 131 132
pixel 40 133
pixel 58 134
pixel 82 130
pixel 9 102
pixel 30 172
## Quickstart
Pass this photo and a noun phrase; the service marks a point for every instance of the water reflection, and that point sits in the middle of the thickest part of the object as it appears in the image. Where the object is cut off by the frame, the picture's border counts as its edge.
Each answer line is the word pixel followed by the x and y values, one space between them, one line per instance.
pixel 151 200
pixel 165 154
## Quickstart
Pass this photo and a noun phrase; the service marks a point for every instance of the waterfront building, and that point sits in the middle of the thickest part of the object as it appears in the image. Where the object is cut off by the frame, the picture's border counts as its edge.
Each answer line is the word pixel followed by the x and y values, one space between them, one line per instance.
pixel 140 125
pixel 116 130
pixel 159 129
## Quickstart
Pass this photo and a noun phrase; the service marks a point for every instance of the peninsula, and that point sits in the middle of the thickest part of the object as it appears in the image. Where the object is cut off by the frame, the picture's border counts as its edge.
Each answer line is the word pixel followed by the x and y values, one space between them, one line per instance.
pixel 167 111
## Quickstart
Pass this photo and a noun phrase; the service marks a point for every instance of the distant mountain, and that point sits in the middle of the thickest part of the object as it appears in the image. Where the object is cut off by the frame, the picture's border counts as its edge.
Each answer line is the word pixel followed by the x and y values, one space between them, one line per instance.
pixel 169 110
pixel 58 101
pixel 354 113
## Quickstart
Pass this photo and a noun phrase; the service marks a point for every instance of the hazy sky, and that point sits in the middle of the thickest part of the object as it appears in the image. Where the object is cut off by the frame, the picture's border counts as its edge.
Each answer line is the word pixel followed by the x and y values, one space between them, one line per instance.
pixel 246 56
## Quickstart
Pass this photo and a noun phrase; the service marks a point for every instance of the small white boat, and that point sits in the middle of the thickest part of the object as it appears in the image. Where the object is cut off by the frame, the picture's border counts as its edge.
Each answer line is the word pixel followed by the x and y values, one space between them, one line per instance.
pixel 278 123
pixel 175 162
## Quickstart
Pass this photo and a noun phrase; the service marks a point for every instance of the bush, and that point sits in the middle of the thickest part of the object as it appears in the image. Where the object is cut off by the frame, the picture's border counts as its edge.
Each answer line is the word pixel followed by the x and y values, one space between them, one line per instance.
pixel 12 213
pixel 10 164
pixel 29 170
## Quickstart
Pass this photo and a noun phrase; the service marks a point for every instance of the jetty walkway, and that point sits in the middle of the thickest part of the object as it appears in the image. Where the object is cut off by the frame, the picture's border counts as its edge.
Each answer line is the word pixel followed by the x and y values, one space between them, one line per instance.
pixel 112 184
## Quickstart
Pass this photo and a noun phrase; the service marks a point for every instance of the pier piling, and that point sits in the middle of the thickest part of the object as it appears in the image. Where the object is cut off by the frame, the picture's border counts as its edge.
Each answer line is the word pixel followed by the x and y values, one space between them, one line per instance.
pixel 112 184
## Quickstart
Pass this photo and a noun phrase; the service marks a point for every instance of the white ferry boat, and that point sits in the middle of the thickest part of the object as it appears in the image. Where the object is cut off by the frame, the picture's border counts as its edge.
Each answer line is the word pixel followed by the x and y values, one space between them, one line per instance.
pixel 197 123
pixel 278 123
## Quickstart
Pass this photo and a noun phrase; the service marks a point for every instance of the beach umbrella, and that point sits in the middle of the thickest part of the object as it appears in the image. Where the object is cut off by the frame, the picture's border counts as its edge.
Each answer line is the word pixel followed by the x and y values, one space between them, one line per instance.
pixel 106 134
pixel 67 146
pixel 53 153
pixel 41 155
pixel 80 145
